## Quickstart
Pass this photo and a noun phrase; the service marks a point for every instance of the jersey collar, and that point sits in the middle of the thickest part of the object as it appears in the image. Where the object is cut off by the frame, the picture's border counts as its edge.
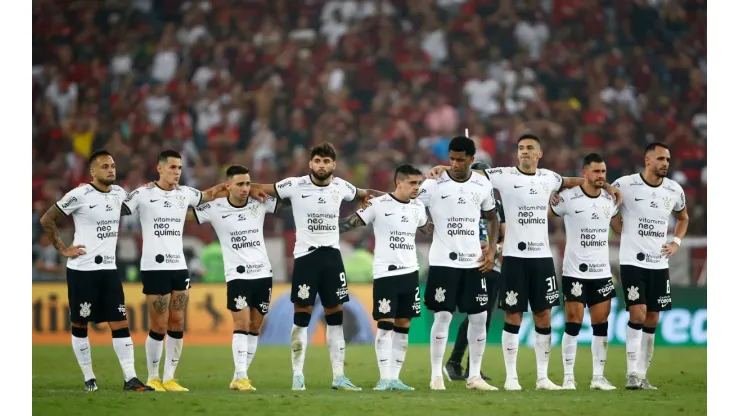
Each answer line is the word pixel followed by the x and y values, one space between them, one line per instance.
pixel 590 196
pixel 99 190
pixel 235 206
pixel 398 200
pixel 652 186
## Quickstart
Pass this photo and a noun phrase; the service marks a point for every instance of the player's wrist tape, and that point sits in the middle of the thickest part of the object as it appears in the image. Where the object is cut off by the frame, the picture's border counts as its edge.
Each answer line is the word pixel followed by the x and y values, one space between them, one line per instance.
pixel 677 241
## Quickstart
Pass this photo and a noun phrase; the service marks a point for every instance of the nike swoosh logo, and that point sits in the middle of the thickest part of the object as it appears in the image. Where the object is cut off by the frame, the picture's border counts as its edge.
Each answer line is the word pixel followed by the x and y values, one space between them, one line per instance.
pixel 639 199
pixel 439 337
pixel 153 200
pixel 481 340
pixel 578 212
pixel 387 215
pixel 445 196
pixel 517 187
pixel 224 216
pixel 129 345
pixel 92 206
pixel 305 196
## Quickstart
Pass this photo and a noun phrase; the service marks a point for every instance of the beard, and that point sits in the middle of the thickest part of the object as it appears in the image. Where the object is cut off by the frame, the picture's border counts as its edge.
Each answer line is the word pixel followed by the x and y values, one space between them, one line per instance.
pixel 106 181
pixel 320 176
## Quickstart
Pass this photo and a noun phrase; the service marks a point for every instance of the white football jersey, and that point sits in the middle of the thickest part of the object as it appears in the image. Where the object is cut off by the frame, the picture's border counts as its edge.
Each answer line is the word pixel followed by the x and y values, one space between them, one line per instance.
pixel 315 211
pixel 455 210
pixel 394 223
pixel 587 232
pixel 526 198
pixel 646 211
pixel 96 215
pixel 241 234
pixel 162 215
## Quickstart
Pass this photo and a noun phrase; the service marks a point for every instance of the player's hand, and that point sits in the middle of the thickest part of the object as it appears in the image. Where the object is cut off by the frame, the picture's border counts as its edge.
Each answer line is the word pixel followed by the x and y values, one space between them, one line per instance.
pixel 615 192
pixel 436 172
pixel 486 259
pixel 555 199
pixel 73 251
pixel 669 250
pixel 366 201
pixel 258 194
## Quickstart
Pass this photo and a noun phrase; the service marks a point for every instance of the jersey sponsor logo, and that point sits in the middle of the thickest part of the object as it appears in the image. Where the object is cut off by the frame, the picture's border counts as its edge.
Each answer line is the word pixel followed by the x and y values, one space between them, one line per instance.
pixel 108 208
pixel 646 227
pixel 106 229
pixel 203 207
pixel 404 218
pixel 69 202
pixel 457 226
pixel 285 184
pixel 664 301
pixel 526 214
pixel 131 196
pixel 589 237
pixel 168 258
pixel 461 200
pixel 400 240
pixel 530 246
pixel 316 222
pixel 105 259
pixel 649 258
pixel 322 200
pixel 604 291
pixel 240 239
pixel 162 227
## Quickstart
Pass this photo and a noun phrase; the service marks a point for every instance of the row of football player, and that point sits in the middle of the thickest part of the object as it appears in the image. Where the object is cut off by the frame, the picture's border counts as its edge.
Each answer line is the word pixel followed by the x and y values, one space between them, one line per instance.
pixel 318 267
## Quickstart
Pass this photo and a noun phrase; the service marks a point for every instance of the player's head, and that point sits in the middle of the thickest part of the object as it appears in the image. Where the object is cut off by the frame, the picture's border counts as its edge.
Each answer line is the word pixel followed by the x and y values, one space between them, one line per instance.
pixel 594 170
pixel 529 151
pixel 238 181
pixel 657 159
pixel 408 179
pixel 461 151
pixel 323 161
pixel 169 167
pixel 102 167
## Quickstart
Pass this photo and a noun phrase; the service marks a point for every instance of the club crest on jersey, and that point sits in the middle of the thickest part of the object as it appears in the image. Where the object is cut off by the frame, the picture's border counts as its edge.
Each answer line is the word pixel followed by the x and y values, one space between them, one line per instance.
pixel 545 187
pixel 667 202
pixel 577 289
pixel 335 195
pixel 476 198
pixel 180 201
pixel 511 298
pixel 85 309
pixel 240 302
pixel 416 216
pixel 254 210
pixel 384 306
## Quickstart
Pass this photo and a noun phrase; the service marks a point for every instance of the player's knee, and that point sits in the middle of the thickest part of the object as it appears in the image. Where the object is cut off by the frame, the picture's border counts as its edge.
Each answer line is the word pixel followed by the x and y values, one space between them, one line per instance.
pixel 254 327
pixel 385 325
pixel 542 318
pixel 573 328
pixel 332 310
pixel 118 325
pixel 402 323
pixel 478 319
pixel 176 323
pixel 651 319
pixel 638 313
pixel 443 317
pixel 600 329
pixel 79 332
pixel 242 324
pixel 158 325
pixel 334 319
pixel 511 328
pixel 513 318
pixel 301 319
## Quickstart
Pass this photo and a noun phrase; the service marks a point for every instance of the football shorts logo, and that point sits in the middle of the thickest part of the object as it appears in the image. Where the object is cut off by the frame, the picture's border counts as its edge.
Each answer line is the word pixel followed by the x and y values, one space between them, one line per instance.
pixel 303 291
pixel 511 298
pixel 439 295
pixel 265 307
pixel 577 289
pixel 122 309
pixel 241 302
pixel 384 306
pixel 85 309
pixel 633 293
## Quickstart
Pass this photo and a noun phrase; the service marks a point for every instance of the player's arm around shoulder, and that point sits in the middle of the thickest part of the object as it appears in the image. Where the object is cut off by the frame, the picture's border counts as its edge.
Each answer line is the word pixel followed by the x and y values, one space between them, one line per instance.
pixel 284 189
pixel 558 204
pixel 132 201
pixel 425 224
pixel 203 213
pixel 360 218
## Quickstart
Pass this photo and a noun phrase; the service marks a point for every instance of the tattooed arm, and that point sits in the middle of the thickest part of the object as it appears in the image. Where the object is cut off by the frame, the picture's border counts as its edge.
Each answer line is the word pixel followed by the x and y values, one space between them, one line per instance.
pixel 49 222
pixel 349 223
pixel 428 228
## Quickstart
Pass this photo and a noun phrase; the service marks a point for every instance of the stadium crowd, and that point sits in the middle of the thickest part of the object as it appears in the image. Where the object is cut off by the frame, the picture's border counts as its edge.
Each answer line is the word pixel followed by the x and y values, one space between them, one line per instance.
pixel 258 82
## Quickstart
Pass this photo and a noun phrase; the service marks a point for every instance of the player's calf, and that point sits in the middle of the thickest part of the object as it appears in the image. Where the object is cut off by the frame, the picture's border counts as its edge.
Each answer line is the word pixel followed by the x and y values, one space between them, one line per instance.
pixel 383 352
pixel 298 343
pixel 573 321
pixel 510 348
pixel 81 347
pixel 400 347
pixel 335 340
pixel 543 343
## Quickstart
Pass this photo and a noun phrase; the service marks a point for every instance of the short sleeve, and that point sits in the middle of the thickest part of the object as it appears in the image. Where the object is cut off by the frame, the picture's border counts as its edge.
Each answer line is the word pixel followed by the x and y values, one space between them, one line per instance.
pixel 72 201
pixel 496 176
pixel 203 213
pixel 367 215
pixel 500 212
pixel 489 203
pixel 349 191
pixel 556 181
pixel 131 203
pixel 271 204
pixel 195 197
pixel 619 182
pixel 615 209
pixel 680 202
pixel 559 208
pixel 426 191
pixel 422 217
pixel 286 188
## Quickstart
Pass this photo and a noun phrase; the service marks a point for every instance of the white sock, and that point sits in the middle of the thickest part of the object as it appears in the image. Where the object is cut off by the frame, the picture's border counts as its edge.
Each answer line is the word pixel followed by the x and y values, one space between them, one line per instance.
pixel 510 347
pixel 440 329
pixel 252 342
pixel 124 348
pixel 634 337
pixel 476 342
pixel 153 356
pixel 647 346
pixel 542 345
pixel 598 354
pixel 239 348
pixel 173 348
pixel 383 352
pixel 570 346
pixel 335 339
pixel 81 346
pixel 400 346
pixel 298 343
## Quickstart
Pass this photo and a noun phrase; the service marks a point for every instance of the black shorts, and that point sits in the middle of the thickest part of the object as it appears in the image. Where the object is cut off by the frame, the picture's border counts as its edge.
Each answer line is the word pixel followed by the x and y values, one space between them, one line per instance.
pixel 95 296
pixel 164 282
pixel 532 281
pixel 396 296
pixel 320 272
pixel 588 291
pixel 449 288
pixel 646 287
pixel 253 293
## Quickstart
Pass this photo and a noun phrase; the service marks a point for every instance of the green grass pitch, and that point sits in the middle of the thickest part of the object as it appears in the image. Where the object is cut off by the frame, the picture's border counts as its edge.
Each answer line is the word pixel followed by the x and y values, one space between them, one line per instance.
pixel 680 374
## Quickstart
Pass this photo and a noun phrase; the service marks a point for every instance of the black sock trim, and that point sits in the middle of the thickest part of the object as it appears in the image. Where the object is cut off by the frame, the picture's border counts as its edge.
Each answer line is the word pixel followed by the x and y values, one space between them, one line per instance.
pixel 335 318
pixel 156 336
pixel 255 334
pixel 636 327
pixel 174 334
pixel 237 331
pixel 648 329
pixel 543 331
pixel 79 332
pixel 600 330
pixel 388 326
pixel 301 319
pixel 401 330
pixel 572 328
pixel 120 333
pixel 510 328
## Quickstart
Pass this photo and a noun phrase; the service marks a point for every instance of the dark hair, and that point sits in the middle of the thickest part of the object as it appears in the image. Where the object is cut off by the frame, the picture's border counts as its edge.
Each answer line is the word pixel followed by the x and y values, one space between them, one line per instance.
pixel 592 158
pixel 236 170
pixel 529 136
pixel 654 145
pixel 162 158
pixel 325 149
pixel 462 144
pixel 404 171
pixel 480 166
pixel 96 154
